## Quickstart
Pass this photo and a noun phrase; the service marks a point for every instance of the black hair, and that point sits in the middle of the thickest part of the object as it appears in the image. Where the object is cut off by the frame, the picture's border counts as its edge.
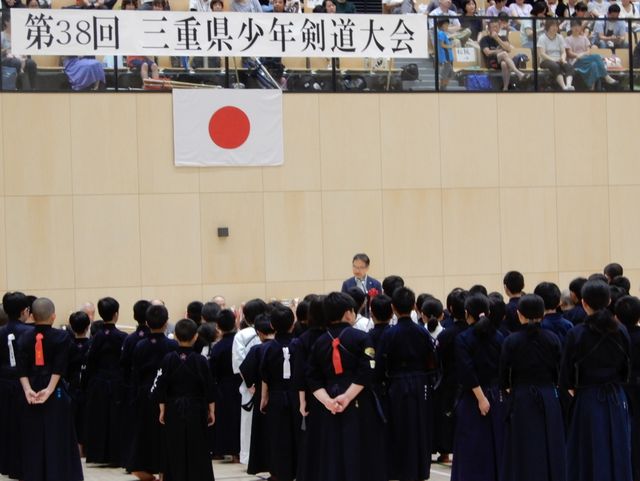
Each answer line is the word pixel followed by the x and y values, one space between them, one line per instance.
pixel 157 316
pixel 381 308
pixel 30 300
pixel 358 257
pixel 477 307
pixel 282 319
pixel 613 8
pixel 140 311
pixel 185 330
pixel 226 320
pixel 576 286
pixel 597 295
pixel 514 282
pixel 581 7
pixel 497 309
pixel 108 307
pixel 465 3
pixel 391 283
pixel 550 294
pixel 453 293
pixel 194 311
pixel 622 282
pixel 252 309
pixel 263 324
pixel 404 300
pixel 478 288
pixel 358 296
pixel 596 276
pixel 532 307
pixel 442 21
pixel 504 16
pixel 628 310
pixel 615 293
pixel 207 333
pixel 79 322
pixel 538 8
pixel 432 309
pixel 14 303
pixel 317 316
pixel 336 304
pixel 3 317
pixel 420 300
pixel 210 311
pixel 455 304
pixel 302 311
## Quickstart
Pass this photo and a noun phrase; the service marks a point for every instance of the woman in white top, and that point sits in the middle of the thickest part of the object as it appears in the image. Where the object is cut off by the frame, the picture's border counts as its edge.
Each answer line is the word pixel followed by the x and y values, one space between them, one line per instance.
pixel 553 55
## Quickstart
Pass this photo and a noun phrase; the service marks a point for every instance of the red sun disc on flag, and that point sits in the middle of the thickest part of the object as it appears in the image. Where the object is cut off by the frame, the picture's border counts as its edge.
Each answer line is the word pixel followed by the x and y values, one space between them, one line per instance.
pixel 229 127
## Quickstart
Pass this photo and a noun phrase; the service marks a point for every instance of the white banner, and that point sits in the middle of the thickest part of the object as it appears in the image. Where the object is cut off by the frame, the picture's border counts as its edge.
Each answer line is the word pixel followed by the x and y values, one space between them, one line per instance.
pixel 151 33
pixel 218 127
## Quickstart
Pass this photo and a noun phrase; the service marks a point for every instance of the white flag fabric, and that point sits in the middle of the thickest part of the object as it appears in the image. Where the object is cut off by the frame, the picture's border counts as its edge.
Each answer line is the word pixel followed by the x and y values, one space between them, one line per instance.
pixel 227 127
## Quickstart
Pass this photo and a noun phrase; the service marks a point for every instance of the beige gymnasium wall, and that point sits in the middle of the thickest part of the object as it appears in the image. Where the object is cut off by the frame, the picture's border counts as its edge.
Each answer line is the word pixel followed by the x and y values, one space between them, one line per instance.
pixel 445 190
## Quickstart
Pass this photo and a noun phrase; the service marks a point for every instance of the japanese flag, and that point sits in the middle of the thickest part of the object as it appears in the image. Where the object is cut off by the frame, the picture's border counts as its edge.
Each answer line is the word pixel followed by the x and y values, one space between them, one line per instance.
pixel 226 127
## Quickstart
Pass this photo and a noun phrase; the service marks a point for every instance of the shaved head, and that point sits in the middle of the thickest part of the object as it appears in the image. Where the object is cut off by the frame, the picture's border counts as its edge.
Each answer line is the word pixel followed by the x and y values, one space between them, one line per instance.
pixel 43 309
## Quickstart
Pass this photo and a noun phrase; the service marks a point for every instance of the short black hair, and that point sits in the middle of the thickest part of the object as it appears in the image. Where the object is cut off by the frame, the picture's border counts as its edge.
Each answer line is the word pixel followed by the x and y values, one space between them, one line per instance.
pixel 622 282
pixel 613 270
pixel 476 305
pixel 576 285
pixel 358 296
pixel 140 311
pixel 404 300
pixel 14 303
pixel 194 311
pixel 362 257
pixel 108 307
pixel 442 21
pixel 550 294
pixel 596 294
pixel 381 308
pixel 226 320
pixel 531 306
pixel 302 311
pixel 497 309
pixel 252 309
pixel 317 317
pixel 514 282
pixel 628 310
pixel 210 311
pixel 596 276
pixel 185 330
pixel 282 319
pixel 79 322
pixel 478 288
pixel 613 8
pixel 432 308
pixel 30 300
pixel 455 302
pixel 391 283
pixel 336 304
pixel 206 333
pixel 157 316
pixel 263 324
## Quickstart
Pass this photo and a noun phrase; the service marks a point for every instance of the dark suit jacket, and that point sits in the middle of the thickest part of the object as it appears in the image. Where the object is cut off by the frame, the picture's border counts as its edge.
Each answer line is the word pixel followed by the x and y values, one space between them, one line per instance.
pixel 371 284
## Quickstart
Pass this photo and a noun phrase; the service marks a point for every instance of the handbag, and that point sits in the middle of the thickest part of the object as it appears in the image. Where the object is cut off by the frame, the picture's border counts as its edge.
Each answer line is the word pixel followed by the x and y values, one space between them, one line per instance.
pixel 478 82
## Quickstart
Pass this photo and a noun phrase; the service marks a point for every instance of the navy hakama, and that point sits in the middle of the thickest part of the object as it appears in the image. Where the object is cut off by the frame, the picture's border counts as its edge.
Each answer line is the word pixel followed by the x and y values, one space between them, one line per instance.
pixel 632 390
pixel 77 353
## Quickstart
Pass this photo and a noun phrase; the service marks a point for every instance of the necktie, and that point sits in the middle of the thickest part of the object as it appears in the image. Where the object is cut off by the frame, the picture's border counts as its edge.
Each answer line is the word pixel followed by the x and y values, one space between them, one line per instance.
pixel 337 361
pixel 39 350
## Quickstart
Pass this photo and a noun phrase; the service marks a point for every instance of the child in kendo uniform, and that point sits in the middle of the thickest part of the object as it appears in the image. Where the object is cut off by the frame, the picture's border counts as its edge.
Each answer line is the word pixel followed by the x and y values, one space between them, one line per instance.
pixel 79 323
pixel 185 393
pixel 49 445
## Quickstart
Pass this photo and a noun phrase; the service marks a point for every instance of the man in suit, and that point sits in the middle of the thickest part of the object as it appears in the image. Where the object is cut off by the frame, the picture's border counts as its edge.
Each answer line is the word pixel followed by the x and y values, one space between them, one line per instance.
pixel 360 279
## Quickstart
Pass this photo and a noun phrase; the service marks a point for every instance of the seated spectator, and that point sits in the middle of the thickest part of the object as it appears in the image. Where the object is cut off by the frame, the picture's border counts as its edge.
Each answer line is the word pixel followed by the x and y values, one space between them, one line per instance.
pixel 539 10
pixel 598 8
pixel 129 5
pixel 293 6
pixel 469 19
pixel 519 9
pixel 217 5
pixel 557 8
pixel 612 32
pixel 628 10
pixel 7 4
pixel 246 6
pixel 208 62
pixel 345 6
pixel 199 6
pixel 553 55
pixel 26 69
pixel 495 50
pixel 328 6
pixel 571 7
pixel 84 73
pixel 397 7
pixel 590 67
pixel 582 13
pixel 34 4
pixel 456 33
pixel 499 6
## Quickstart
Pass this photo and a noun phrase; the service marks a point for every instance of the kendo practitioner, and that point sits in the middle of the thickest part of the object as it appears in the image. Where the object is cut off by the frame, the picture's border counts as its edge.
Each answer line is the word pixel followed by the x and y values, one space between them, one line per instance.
pixel 147 444
pixel 595 364
pixel 79 323
pixel 226 431
pixel 553 320
pixel 310 408
pixel 406 359
pixel 479 434
pixel 628 313
pixel 186 396
pixel 16 306
pixel 577 313
pixel 513 285
pixel 279 400
pixel 529 367
pixel 250 371
pixel 348 434
pixel 381 314
pixel 104 392
pixel 49 444
pixel 448 392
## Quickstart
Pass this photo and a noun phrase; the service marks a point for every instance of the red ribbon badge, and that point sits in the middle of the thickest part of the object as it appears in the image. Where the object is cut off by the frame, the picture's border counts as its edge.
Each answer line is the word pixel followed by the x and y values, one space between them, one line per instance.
pixel 337 360
pixel 39 350
pixel 373 292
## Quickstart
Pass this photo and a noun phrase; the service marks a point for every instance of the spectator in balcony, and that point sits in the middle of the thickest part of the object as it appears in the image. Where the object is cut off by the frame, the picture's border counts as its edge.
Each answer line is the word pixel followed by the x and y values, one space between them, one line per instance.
pixel 199 6
pixel 34 4
pixel 129 5
pixel 519 9
pixel 84 73
pixel 398 6
pixel 598 8
pixel 553 55
pixel 495 9
pixel 557 8
pixel 456 33
pixel 246 6
pixel 345 6
pixel 217 5
pixel 539 10
pixel 628 10
pixel 6 4
pixel 495 50
pixel 328 6
pixel 445 53
pixel 22 65
pixel 612 32
pixel 590 67
pixel 469 19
